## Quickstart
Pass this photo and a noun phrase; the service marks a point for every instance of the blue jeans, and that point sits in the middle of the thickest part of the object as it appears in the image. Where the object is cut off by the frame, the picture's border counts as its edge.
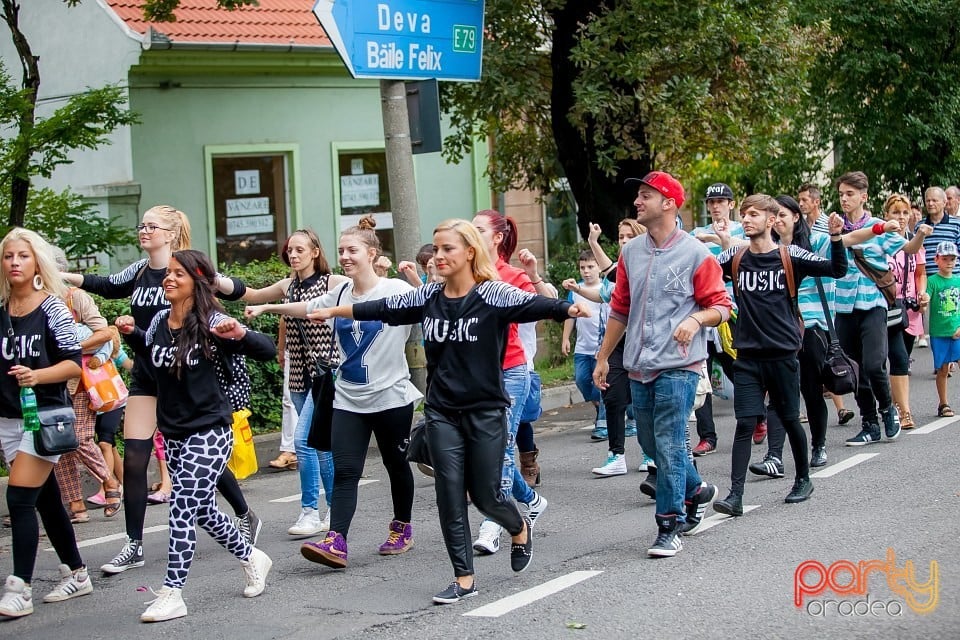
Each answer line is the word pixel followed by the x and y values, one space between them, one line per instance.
pixel 583 366
pixel 516 380
pixel 662 408
pixel 314 466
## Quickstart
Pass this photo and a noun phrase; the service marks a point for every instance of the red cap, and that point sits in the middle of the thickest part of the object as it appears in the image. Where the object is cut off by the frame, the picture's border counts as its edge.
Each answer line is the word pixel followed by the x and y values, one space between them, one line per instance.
pixel 663 182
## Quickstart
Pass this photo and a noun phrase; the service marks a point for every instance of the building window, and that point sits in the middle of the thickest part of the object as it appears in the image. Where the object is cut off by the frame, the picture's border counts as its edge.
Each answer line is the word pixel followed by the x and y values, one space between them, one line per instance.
pixel 363 189
pixel 250 206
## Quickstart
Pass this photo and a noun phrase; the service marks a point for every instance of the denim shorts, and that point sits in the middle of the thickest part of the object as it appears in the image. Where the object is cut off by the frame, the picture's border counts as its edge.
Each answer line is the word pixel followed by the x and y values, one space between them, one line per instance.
pixel 14 439
pixel 945 350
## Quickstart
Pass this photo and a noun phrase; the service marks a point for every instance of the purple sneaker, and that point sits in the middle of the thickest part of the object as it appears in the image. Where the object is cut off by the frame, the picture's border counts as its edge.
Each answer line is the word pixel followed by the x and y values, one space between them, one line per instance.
pixel 331 551
pixel 399 540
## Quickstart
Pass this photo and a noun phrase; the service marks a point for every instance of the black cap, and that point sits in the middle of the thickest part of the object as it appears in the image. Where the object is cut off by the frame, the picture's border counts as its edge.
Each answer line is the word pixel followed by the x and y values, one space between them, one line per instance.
pixel 720 191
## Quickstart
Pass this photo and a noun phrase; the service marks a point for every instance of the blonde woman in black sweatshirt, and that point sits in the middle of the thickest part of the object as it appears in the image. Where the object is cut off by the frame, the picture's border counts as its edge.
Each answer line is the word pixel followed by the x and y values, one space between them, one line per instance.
pixel 465 321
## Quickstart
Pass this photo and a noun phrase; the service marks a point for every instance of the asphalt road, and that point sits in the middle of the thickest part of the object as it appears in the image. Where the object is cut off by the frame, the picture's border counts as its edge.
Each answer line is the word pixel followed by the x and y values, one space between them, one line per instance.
pixel 590 576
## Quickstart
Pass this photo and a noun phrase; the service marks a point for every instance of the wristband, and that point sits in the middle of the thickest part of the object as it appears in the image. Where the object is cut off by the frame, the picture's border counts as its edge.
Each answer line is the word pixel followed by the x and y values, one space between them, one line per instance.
pixel 878 229
pixel 537 282
pixel 693 317
pixel 835 235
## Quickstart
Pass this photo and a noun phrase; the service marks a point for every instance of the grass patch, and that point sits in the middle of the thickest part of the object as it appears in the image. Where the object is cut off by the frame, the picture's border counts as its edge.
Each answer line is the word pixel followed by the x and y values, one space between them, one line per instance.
pixel 556 375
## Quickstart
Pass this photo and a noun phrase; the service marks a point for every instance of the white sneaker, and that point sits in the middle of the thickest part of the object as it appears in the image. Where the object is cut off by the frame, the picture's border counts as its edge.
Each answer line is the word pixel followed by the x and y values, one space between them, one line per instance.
pixel 308 524
pixel 488 542
pixel 646 464
pixel 325 523
pixel 534 509
pixel 17 598
pixel 616 465
pixel 256 568
pixel 72 584
pixel 922 342
pixel 167 606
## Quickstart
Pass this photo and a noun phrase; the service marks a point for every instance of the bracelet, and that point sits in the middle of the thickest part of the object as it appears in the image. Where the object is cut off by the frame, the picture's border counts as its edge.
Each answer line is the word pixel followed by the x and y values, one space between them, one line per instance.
pixel 695 318
pixel 878 229
pixel 537 282
pixel 835 235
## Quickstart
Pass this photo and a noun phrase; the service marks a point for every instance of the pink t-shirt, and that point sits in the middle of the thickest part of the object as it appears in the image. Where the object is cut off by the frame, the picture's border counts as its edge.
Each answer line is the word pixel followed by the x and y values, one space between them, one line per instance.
pixel 896 264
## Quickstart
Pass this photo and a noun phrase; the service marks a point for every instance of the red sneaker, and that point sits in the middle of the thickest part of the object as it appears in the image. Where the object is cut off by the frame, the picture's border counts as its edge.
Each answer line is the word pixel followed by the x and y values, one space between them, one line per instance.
pixel 704 448
pixel 760 432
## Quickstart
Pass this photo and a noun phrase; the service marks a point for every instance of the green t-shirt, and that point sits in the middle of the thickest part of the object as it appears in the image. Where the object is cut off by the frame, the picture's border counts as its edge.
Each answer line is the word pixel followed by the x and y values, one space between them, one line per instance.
pixel 944 305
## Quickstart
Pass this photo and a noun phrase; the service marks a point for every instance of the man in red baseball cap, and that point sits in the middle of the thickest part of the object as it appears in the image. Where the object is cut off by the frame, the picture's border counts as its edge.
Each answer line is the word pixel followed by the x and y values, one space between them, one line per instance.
pixel 668 288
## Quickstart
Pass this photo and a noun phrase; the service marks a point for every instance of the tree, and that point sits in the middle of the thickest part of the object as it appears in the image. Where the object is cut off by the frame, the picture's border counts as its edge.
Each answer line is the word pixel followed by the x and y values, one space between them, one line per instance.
pixel 884 92
pixel 631 85
pixel 39 146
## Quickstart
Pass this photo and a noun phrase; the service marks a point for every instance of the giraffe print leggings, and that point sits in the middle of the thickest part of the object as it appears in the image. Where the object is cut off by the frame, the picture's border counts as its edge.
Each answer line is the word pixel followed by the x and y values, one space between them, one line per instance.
pixel 196 463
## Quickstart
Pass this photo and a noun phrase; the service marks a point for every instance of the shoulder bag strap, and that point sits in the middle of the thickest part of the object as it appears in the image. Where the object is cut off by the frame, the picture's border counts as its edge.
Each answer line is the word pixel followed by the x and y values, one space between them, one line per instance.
pixel 6 324
pixel 735 269
pixel 788 271
pixel 906 273
pixel 831 331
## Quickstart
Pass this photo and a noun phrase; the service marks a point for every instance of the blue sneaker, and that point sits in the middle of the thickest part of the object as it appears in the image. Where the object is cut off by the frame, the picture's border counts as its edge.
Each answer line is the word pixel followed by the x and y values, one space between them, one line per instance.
pixel 647 463
pixel 891 422
pixel 599 432
pixel 631 429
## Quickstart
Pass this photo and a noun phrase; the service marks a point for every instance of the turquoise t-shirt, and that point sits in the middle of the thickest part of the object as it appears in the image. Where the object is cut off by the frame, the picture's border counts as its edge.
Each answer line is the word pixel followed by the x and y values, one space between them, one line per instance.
pixel 944 305
pixel 808 299
pixel 857 291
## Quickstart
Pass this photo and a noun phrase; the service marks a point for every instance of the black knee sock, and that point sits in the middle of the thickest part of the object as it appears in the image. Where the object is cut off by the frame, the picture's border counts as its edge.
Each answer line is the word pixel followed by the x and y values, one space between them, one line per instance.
pixel 230 490
pixel 136 458
pixel 56 523
pixel 22 502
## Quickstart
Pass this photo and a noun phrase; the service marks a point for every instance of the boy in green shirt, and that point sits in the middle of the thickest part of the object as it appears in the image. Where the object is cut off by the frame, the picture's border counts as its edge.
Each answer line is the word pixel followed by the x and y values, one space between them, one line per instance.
pixel 943 288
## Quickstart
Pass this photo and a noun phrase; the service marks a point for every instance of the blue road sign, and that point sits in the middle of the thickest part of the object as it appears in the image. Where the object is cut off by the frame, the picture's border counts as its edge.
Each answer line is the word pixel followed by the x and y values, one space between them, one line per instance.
pixel 406 39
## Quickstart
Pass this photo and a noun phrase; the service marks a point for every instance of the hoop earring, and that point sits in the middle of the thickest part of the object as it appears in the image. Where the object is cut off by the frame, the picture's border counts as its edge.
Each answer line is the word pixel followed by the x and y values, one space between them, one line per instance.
pixel 37 282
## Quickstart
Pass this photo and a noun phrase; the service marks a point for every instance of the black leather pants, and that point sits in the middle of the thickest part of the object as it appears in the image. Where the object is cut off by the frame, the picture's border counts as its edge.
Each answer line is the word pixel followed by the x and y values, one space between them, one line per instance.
pixel 467 452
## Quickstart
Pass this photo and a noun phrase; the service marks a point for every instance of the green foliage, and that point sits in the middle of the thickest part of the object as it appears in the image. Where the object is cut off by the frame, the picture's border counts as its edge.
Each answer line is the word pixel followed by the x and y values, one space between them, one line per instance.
pixel 164 10
pixel 65 220
pixel 266 378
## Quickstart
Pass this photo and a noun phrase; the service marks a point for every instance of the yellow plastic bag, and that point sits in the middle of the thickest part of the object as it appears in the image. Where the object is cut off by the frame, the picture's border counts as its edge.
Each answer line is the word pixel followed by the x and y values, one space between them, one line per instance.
pixel 243 461
pixel 726 339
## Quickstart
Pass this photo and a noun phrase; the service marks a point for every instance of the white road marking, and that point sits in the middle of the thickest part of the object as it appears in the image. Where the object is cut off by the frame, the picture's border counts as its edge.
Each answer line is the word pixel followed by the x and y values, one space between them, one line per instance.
pixel 933 426
pixel 852 461
pixel 517 600
pixel 115 536
pixel 718 518
pixel 296 497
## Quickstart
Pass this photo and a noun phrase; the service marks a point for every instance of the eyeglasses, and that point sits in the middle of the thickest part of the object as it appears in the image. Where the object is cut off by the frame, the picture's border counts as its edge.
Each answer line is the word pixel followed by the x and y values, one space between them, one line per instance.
pixel 150 228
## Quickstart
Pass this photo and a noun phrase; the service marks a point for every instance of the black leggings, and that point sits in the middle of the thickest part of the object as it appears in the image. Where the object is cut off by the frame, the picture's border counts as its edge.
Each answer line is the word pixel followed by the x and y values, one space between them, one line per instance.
pixel 811 357
pixel 781 379
pixel 467 451
pixel 616 399
pixel 24 503
pixel 349 440
pixel 525 441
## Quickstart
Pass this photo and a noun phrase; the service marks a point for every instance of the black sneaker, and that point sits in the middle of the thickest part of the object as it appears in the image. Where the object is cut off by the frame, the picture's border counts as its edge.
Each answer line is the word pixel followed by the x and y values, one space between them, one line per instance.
pixel 891 422
pixel 819 457
pixel 522 554
pixel 869 434
pixel 732 505
pixel 802 489
pixel 697 507
pixel 770 466
pixel 845 415
pixel 649 485
pixel 668 542
pixel 455 593
pixel 130 556
pixel 249 525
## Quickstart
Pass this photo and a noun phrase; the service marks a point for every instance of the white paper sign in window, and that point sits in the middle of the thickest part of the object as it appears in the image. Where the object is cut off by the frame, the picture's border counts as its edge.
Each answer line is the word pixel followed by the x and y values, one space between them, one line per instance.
pixel 246 183
pixel 360 191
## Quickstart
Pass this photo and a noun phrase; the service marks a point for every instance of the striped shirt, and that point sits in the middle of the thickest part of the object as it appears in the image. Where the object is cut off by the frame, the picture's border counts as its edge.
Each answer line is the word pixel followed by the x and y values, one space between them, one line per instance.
pixel 857 291
pixel 736 231
pixel 808 299
pixel 822 225
pixel 948 229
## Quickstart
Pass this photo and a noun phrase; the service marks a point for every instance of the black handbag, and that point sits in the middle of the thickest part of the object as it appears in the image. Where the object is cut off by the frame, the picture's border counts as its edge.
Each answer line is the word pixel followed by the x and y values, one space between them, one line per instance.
pixel 322 389
pixel 57 434
pixel 417 449
pixel 839 373
pixel 897 310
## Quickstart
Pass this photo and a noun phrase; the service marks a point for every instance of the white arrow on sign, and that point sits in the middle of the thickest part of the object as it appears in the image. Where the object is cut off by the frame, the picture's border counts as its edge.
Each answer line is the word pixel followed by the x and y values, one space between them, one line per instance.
pixel 323 9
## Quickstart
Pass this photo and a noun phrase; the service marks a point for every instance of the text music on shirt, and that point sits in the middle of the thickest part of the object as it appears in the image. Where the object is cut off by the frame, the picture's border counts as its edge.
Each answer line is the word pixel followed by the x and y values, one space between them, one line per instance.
pixel 148 297
pixel 163 357
pixel 25 345
pixel 440 330
pixel 761 280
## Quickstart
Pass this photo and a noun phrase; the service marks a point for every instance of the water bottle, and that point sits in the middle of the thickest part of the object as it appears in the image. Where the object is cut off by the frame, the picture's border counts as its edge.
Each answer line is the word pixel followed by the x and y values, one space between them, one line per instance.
pixel 28 406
